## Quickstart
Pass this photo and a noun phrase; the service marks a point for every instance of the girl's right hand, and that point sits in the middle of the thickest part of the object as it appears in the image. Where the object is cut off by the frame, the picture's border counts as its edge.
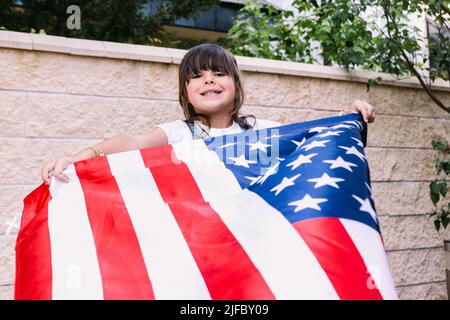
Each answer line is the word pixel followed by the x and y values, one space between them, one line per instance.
pixel 55 168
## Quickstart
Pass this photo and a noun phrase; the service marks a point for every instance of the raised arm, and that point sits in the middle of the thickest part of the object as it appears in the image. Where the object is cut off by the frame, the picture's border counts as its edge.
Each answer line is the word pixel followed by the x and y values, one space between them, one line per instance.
pixel 118 143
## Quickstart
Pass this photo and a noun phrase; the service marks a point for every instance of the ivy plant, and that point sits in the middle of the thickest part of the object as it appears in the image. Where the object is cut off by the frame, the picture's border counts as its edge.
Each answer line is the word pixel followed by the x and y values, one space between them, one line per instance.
pixel 439 186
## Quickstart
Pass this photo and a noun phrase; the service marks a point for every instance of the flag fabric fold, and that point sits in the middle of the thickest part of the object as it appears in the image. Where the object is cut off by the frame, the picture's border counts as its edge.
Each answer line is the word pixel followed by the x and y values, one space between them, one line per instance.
pixel 278 213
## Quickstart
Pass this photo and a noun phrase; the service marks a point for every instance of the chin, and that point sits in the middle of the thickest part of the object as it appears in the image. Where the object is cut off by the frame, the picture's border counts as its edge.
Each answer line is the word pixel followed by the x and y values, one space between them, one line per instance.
pixel 213 107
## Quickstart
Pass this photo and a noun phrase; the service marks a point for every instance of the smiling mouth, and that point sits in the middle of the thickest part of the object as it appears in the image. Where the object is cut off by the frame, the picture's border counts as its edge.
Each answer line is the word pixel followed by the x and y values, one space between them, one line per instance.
pixel 211 93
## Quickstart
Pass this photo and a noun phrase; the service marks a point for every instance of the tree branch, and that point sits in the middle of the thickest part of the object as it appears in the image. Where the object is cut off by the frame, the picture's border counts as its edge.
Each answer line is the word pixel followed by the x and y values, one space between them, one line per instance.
pixel 410 65
pixel 447 10
pixel 314 3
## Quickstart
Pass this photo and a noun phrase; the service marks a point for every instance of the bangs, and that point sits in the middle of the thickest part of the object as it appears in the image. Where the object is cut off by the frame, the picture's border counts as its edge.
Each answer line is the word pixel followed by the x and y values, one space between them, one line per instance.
pixel 208 58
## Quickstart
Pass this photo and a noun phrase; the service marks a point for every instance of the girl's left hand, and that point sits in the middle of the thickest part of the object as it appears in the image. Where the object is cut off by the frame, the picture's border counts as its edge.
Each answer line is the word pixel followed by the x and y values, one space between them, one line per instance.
pixel 363 107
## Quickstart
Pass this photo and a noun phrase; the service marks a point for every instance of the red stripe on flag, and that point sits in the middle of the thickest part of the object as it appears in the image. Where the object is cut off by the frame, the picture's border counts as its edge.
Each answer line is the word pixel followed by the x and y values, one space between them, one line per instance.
pixel 339 257
pixel 123 271
pixel 226 268
pixel 33 251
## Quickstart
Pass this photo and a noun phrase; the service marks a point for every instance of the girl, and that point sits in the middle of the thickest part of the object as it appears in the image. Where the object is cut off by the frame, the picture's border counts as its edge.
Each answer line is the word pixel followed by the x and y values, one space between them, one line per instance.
pixel 211 96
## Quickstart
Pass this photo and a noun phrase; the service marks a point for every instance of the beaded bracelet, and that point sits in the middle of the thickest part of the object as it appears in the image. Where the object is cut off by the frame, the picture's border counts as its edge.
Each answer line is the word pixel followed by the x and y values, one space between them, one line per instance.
pixel 98 152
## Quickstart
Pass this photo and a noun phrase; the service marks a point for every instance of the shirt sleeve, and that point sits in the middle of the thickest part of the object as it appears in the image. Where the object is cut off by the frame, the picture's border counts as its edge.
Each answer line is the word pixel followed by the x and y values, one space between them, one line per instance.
pixel 176 131
pixel 263 123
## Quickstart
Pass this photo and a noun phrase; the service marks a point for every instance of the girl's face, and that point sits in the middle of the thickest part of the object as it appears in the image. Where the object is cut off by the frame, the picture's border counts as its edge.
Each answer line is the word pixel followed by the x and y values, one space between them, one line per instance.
pixel 211 92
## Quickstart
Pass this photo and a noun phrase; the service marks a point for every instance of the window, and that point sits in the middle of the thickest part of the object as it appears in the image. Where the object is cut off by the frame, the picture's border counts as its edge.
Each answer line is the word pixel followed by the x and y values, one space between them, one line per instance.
pixel 218 19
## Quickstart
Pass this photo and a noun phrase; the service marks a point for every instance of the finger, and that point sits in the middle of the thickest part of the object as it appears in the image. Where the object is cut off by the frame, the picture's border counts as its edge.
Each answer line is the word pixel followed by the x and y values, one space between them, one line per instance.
pixel 47 180
pixel 368 107
pixel 46 175
pixel 365 115
pixel 61 176
pixel 360 104
pixel 45 170
pixel 58 172
pixel 354 107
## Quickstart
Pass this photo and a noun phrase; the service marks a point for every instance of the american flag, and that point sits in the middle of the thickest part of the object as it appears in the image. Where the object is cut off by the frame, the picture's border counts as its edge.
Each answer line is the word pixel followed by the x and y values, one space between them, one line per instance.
pixel 279 213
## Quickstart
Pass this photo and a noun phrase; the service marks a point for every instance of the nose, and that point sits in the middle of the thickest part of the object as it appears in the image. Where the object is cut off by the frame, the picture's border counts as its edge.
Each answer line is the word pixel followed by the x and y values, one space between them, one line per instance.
pixel 209 77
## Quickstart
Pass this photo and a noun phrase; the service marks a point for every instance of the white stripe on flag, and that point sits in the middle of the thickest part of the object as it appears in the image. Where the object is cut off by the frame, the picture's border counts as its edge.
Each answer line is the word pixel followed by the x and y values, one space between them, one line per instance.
pixel 173 271
pixel 75 268
pixel 369 244
pixel 278 252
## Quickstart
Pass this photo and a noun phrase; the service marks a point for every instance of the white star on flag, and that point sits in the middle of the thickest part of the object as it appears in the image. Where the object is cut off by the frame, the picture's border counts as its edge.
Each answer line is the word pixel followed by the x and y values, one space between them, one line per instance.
pixel 272 170
pixel 341 125
pixel 299 143
pixel 273 136
pixel 227 145
pixel 358 142
pixel 329 133
pixel 315 144
pixel 317 129
pixel 370 190
pixel 307 202
pixel 287 182
pixel 354 151
pixel 340 163
pixel 326 180
pixel 253 179
pixel 359 125
pixel 366 206
pixel 368 187
pixel 301 160
pixel 259 146
pixel 241 161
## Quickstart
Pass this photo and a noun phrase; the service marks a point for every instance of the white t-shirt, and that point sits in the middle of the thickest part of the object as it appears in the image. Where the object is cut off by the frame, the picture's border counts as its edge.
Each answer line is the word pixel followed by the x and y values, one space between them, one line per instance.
pixel 178 130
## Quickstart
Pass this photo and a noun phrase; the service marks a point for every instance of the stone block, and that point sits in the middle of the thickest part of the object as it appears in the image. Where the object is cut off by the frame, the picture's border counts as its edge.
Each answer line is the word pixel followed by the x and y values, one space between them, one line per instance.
pixel 417 266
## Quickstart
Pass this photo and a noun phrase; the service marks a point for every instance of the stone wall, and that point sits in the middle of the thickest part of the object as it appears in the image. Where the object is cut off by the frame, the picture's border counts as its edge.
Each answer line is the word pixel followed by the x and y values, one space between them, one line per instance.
pixel 59 95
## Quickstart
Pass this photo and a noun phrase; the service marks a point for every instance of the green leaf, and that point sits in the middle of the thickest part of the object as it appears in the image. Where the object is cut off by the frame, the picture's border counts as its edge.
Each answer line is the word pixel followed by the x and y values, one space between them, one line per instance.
pixel 435 186
pixel 434 197
pixel 434 191
pixel 438 145
pixel 359 50
pixel 445 220
pixel 443 190
pixel 437 224
pixel 446 166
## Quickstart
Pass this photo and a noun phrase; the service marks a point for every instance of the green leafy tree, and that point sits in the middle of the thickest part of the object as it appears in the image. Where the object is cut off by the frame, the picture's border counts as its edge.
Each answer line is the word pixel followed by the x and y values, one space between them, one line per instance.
pixel 108 20
pixel 9 19
pixel 374 35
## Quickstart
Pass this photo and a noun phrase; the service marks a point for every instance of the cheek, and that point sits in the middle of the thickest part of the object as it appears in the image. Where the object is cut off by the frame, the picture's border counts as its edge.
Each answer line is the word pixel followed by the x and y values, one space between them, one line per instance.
pixel 190 89
pixel 233 92
pixel 229 85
